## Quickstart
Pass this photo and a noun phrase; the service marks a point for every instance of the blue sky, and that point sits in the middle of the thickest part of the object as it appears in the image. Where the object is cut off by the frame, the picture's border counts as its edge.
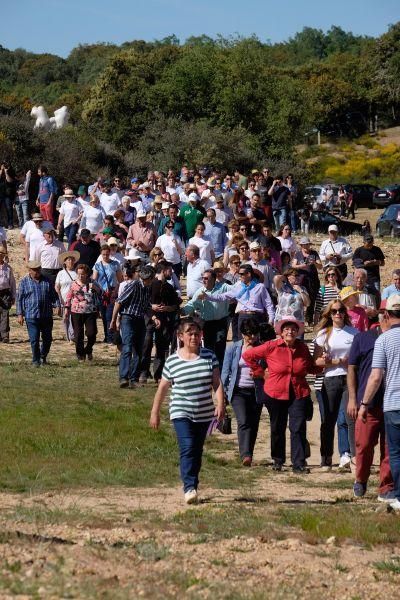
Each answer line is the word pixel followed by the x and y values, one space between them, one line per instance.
pixel 57 26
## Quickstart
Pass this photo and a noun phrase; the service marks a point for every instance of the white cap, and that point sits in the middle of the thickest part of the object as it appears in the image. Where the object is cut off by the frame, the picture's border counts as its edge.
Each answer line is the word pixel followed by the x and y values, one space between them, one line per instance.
pixel 133 254
pixel 206 194
pixel 333 228
pixel 112 241
pixel 193 197
pixel 393 302
pixel 164 205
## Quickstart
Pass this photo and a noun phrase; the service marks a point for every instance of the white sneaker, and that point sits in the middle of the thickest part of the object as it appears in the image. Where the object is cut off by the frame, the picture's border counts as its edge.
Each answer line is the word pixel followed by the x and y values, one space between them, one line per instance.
pixel 345 463
pixel 395 505
pixel 191 497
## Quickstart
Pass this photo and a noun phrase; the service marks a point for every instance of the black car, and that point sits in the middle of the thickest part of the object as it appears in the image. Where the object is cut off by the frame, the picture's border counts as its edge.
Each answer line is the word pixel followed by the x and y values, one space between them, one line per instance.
pixel 321 219
pixel 388 223
pixel 387 195
pixel 363 194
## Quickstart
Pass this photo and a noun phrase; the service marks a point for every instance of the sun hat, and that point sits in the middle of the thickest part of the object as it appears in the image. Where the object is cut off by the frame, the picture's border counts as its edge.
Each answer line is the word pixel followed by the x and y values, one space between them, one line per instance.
pixel 255 246
pixel 192 186
pixel 218 264
pixel 133 254
pixel 346 292
pixel 68 193
pixel 3 250
pixel 289 319
pixel 304 240
pixel 157 200
pixel 393 302
pixel 333 228
pixel 37 217
pixel 112 241
pixel 33 264
pixel 69 254
pixel 211 182
pixel 140 214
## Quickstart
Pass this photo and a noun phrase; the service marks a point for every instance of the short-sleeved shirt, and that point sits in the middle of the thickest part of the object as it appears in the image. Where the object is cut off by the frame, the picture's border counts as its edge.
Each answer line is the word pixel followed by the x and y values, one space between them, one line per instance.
pixel 387 356
pixel 337 342
pixel 65 279
pixel 191 381
pixel 107 274
pixel 47 186
pixel 361 353
pixel 374 253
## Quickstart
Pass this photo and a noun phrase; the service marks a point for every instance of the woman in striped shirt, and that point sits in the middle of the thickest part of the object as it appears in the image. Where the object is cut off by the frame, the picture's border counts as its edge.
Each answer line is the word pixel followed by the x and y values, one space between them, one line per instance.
pixel 192 373
pixel 328 291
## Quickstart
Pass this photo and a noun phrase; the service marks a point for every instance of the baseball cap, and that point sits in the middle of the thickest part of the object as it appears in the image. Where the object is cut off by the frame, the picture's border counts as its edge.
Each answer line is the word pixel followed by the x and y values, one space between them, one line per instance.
pixel 255 246
pixel 393 302
pixel 134 180
pixel 368 237
pixel 193 197
pixel 85 232
pixel 333 228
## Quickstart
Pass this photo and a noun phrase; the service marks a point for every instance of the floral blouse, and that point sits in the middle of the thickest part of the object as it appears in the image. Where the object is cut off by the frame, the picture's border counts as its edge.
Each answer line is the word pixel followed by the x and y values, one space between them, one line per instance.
pixel 83 297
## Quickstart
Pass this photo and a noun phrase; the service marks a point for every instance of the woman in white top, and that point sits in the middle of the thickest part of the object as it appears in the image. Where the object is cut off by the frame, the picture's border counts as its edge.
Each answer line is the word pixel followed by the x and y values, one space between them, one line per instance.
pixel 332 347
pixel 172 248
pixel 70 213
pixel 287 242
pixel 204 244
pixel 64 280
pixel 93 216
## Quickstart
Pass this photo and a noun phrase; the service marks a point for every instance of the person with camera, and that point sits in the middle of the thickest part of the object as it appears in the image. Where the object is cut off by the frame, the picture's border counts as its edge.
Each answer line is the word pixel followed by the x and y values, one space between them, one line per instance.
pixel 335 251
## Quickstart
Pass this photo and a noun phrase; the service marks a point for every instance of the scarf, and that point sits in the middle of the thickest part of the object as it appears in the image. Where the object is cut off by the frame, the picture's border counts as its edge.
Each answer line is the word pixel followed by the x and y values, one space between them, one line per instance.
pixel 245 289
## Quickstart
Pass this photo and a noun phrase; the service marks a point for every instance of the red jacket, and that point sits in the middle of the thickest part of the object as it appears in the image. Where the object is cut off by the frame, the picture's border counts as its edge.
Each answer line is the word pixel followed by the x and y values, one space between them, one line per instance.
pixel 285 365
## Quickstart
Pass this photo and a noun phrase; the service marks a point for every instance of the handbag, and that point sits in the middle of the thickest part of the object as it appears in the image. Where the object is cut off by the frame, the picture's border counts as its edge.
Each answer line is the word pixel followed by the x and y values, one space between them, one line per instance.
pixel 107 295
pixel 225 426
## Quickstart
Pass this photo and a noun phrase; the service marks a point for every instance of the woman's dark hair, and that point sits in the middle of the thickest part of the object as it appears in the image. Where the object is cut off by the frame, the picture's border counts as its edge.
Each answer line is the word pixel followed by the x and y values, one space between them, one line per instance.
pixel 119 213
pixel 291 271
pixel 109 218
pixel 282 227
pixel 129 270
pixel 285 255
pixel 249 327
pixel 188 322
pixel 84 268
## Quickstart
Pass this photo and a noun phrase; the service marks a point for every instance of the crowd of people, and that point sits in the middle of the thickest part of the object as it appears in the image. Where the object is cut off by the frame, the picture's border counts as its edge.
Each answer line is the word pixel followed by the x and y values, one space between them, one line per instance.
pixel 172 265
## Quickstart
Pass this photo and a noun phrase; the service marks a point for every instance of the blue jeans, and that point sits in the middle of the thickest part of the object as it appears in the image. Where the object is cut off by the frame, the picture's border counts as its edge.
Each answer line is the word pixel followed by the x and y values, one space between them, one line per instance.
pixel 70 231
pixel 392 429
pixel 280 217
pixel 191 437
pixel 37 327
pixel 22 212
pixel 133 330
pixel 293 220
pixel 106 316
pixel 343 433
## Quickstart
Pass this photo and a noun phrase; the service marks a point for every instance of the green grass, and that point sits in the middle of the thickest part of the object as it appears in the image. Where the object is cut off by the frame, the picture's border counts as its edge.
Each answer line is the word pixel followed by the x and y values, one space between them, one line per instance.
pixel 343 522
pixel 389 566
pixel 68 426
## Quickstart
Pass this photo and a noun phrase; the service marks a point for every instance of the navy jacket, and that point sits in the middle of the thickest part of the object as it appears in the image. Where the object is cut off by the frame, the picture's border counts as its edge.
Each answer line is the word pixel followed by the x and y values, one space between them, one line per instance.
pixel 230 369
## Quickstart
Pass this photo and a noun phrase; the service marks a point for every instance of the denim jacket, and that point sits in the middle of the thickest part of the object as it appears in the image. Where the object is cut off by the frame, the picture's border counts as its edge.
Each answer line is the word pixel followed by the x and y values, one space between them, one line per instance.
pixel 230 372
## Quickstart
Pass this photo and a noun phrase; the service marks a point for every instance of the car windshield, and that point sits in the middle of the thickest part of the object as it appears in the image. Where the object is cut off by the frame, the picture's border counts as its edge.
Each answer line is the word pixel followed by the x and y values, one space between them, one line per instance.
pixel 392 187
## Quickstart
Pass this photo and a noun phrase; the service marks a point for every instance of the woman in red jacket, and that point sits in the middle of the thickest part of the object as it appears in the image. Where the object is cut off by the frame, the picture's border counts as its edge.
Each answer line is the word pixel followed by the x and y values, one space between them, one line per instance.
pixel 287 393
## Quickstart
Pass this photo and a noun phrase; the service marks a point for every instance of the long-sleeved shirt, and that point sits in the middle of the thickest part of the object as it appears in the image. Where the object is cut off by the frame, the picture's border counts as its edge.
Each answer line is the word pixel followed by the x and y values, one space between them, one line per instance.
pixel 36 298
pixel 217 234
pixel 339 246
pixel 287 368
pixel 145 234
pixel 7 279
pixel 207 309
pixel 48 254
pixel 135 299
pixel 266 271
pixel 258 299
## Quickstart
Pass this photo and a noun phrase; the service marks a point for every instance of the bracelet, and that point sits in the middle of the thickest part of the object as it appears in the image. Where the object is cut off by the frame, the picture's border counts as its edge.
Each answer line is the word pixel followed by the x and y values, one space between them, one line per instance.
pixel 364 404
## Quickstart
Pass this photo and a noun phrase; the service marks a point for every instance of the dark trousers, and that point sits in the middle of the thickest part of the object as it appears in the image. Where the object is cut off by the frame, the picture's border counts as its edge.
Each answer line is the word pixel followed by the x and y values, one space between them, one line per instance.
pixel 106 316
pixel 191 436
pixel 70 231
pixel 334 391
pixel 9 206
pixel 279 411
pixel 177 268
pixel 40 328
pixel 51 275
pixel 247 413
pixel 214 335
pixel 132 335
pixel 161 338
pixel 84 323
pixel 392 428
pixel 367 436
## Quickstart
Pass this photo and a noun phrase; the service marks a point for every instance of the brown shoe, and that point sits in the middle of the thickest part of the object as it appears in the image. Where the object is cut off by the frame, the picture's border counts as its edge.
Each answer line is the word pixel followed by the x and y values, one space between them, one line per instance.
pixel 246 461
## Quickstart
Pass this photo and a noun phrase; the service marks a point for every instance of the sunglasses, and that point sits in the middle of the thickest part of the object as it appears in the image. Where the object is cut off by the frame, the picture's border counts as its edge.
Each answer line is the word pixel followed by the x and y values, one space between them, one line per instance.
pixel 331 274
pixel 338 311
pixel 158 254
pixel 243 248
pixel 241 273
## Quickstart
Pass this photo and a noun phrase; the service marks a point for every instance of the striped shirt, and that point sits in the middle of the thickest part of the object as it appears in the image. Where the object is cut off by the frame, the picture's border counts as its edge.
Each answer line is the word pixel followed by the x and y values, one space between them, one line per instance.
pixel 191 380
pixel 135 299
pixel 387 356
pixel 36 298
pixel 325 295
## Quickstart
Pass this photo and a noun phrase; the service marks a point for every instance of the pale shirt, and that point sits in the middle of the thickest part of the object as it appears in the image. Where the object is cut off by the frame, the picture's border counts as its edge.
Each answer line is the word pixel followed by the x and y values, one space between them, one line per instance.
pixel 340 246
pixel 70 211
pixel 7 279
pixel 167 245
pixel 120 258
pixel 205 246
pixel 48 254
pixel 93 219
pixel 64 279
pixel 110 203
pixel 34 237
pixel 337 345
pixel 195 271
pixel 288 244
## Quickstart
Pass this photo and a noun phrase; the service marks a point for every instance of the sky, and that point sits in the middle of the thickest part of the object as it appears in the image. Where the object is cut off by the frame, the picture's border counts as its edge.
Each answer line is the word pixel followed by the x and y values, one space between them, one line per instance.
pixel 57 26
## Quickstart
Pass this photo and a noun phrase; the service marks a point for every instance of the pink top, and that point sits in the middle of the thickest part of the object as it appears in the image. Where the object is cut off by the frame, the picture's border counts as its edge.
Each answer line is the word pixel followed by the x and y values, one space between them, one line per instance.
pixel 83 297
pixel 358 318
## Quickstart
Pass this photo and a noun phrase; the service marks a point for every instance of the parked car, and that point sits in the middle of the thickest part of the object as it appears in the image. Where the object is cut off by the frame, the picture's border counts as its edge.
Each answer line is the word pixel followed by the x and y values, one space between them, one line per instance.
pixel 313 194
pixel 321 219
pixel 389 221
pixel 387 195
pixel 363 194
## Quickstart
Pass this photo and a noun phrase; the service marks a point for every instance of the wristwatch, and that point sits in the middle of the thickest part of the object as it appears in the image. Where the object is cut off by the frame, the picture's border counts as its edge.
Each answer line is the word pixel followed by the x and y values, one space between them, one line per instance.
pixel 364 404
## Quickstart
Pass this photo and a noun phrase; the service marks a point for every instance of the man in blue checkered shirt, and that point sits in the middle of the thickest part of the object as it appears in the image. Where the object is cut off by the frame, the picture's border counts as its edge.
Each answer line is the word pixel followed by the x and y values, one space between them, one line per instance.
pixel 35 301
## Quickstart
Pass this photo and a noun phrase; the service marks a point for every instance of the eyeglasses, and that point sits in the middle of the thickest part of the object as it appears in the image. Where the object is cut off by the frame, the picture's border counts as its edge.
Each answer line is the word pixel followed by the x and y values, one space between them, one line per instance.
pixel 331 274
pixel 241 273
pixel 243 248
pixel 286 229
pixel 338 311
pixel 242 229
pixel 169 226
